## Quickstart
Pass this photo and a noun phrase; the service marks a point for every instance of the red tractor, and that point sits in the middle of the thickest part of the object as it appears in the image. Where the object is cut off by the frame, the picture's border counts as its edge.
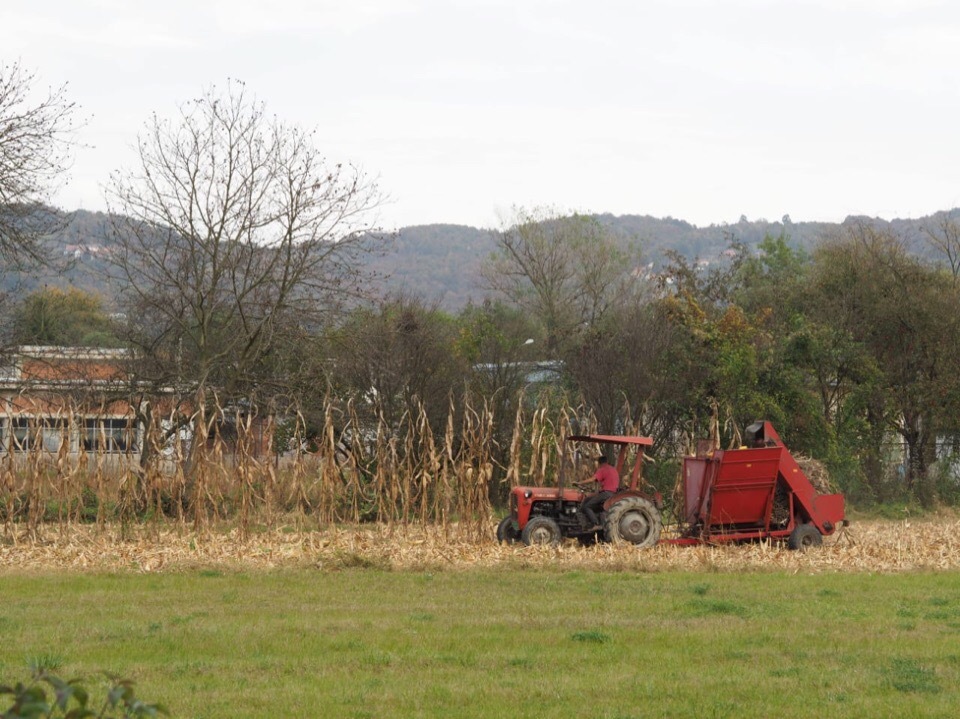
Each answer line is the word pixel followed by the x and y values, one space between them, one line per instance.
pixel 755 492
pixel 545 515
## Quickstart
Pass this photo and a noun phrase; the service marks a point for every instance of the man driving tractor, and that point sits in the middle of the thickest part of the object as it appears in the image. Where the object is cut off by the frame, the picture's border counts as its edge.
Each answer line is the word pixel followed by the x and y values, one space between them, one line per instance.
pixel 608 480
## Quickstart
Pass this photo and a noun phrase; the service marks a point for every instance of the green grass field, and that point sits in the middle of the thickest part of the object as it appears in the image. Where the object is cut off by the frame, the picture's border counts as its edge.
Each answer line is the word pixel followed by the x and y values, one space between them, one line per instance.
pixel 510 643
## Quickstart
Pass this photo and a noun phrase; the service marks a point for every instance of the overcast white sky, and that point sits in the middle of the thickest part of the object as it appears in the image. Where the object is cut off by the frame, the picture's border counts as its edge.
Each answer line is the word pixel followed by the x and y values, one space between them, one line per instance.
pixel 699 109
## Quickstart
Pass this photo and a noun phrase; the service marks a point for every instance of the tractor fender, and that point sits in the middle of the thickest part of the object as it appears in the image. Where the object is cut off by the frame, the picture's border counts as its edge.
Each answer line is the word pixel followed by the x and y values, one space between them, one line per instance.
pixel 656 499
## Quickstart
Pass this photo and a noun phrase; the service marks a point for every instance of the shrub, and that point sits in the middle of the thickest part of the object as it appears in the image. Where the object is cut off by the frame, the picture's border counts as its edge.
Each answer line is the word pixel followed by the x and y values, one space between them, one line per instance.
pixel 70 700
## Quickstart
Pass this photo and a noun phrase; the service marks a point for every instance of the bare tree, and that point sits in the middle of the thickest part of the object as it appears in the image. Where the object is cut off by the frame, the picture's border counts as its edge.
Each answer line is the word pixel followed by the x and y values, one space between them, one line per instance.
pixel 36 140
pixel 566 270
pixel 235 237
pixel 944 235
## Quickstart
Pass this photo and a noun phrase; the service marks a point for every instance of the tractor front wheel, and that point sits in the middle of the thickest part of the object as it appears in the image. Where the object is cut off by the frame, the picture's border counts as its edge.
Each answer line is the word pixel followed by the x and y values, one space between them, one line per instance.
pixel 542 531
pixel 804 536
pixel 634 520
pixel 507 532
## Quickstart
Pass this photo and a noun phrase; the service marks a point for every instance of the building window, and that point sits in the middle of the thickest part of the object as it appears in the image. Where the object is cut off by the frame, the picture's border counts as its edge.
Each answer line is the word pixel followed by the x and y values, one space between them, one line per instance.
pixel 26 433
pixel 108 435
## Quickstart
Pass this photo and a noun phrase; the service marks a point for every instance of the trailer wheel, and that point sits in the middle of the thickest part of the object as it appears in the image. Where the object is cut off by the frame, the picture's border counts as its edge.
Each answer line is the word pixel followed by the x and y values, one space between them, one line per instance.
pixel 542 531
pixel 507 532
pixel 634 520
pixel 804 536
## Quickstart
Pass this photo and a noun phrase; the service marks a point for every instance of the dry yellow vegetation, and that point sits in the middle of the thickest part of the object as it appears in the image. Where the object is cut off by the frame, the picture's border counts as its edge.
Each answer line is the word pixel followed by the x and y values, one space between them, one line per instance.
pixel 871 546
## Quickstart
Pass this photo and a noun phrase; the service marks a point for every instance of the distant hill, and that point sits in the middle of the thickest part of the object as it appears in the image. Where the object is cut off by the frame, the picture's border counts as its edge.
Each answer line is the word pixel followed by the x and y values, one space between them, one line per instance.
pixel 438 262
pixel 442 262
pixel 76 251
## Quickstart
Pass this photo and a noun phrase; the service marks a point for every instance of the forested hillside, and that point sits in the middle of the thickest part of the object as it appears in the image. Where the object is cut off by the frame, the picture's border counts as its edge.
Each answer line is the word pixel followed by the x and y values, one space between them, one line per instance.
pixel 441 263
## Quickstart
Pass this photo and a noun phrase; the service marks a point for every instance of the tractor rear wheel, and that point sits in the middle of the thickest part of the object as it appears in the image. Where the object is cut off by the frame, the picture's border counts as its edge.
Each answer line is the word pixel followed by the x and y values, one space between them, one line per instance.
pixel 804 536
pixel 634 520
pixel 507 532
pixel 541 531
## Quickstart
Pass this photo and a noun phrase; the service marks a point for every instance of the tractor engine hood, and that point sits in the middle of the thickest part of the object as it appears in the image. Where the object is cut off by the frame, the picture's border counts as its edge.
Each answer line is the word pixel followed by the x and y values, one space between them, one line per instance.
pixel 529 495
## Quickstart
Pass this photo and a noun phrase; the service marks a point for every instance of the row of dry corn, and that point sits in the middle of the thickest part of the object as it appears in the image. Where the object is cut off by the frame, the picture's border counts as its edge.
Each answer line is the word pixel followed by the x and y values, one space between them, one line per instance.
pixel 220 466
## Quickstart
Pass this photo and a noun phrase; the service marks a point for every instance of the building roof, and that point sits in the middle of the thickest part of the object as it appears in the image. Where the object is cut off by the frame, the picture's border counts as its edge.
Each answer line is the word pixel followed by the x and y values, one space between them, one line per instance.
pixel 59 367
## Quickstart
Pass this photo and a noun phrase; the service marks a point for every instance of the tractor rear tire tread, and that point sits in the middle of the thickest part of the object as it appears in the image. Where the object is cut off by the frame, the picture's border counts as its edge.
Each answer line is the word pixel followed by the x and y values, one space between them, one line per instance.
pixel 635 520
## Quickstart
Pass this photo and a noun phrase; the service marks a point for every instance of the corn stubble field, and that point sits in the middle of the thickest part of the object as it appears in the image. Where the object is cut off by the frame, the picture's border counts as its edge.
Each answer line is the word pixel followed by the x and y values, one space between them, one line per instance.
pixel 870 546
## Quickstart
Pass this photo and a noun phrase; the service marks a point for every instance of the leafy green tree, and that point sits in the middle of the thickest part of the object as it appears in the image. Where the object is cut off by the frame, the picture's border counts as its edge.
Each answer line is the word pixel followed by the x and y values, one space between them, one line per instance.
pixel 771 287
pixel 501 346
pixel 906 316
pixel 720 347
pixel 626 361
pixel 501 343
pixel 770 279
pixel 395 355
pixel 71 318
pixel 734 324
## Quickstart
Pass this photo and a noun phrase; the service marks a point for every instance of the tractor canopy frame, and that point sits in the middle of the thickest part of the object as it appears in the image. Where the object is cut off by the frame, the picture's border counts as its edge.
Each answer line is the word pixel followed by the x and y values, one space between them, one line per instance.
pixel 622 442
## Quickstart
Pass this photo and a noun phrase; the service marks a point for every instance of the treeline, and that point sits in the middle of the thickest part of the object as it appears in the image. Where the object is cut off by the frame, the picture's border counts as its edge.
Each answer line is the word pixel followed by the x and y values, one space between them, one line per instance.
pixel 852 350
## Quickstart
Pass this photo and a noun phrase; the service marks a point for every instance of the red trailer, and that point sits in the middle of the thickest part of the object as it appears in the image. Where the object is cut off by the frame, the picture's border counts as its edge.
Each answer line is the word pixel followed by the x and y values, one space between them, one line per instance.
pixel 755 492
